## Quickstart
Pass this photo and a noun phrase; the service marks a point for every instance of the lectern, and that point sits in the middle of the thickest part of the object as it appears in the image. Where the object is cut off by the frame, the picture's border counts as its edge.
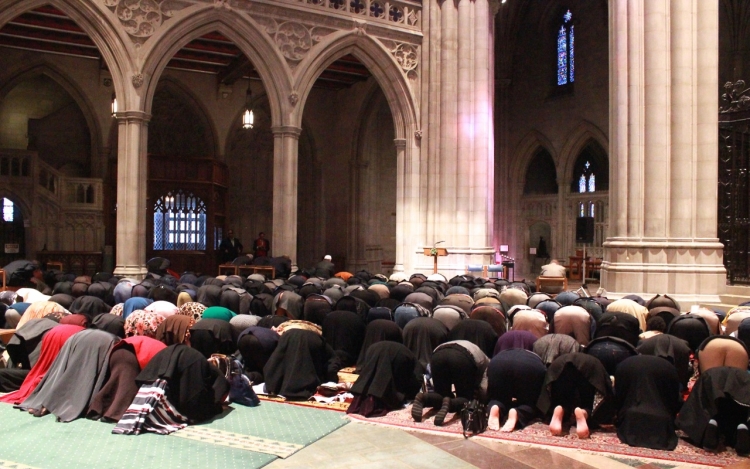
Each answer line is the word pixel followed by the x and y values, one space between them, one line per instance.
pixel 435 253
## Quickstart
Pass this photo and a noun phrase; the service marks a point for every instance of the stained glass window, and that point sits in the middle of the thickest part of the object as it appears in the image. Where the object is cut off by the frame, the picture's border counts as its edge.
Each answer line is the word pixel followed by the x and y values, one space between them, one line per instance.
pixel 566 51
pixel 582 184
pixel 581 210
pixel 179 222
pixel 592 210
pixel 7 210
pixel 592 183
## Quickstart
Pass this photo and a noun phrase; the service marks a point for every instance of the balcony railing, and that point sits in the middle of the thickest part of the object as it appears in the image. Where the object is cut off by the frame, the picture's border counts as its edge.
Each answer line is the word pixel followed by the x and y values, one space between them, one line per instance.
pixel 398 12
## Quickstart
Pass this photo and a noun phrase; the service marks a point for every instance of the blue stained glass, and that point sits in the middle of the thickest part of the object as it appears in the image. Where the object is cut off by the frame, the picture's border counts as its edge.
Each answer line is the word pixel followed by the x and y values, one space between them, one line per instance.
pixel 572 52
pixel 581 210
pixel 568 16
pixel 591 209
pixel 592 183
pixel 582 184
pixel 562 56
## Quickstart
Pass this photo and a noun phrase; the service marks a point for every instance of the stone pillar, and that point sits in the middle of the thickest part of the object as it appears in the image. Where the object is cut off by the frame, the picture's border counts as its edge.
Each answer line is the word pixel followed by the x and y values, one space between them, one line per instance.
pixel 460 175
pixel 132 179
pixel 401 206
pixel 285 156
pixel 663 153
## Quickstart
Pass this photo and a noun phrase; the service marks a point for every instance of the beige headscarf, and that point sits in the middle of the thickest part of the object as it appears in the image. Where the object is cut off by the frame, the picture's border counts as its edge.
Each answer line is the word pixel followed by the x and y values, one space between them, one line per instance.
pixel 40 309
pixel 632 308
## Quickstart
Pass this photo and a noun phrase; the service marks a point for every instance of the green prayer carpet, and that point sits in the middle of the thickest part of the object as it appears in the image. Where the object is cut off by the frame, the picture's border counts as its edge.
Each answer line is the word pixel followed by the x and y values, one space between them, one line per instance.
pixel 242 437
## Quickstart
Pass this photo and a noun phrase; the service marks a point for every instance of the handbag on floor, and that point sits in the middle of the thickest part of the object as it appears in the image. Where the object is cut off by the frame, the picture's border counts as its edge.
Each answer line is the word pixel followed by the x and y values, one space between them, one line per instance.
pixel 473 418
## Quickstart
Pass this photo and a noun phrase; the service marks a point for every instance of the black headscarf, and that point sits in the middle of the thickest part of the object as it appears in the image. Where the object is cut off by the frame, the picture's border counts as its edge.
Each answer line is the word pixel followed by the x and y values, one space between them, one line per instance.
pixel 422 336
pixel 620 325
pixel 344 331
pixel 477 332
pixel 379 330
pixel 110 323
pixel 209 295
pixel 89 306
pixel 256 344
pixel 210 336
pixel 672 349
pixel 692 329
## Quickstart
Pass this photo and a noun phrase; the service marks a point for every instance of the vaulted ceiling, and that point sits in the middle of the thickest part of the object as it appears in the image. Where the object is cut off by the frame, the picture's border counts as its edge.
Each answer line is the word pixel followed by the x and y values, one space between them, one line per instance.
pixel 47 29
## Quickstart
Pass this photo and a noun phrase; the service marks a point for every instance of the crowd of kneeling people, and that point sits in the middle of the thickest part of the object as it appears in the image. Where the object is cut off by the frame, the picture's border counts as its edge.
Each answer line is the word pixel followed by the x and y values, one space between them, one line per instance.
pixel 136 353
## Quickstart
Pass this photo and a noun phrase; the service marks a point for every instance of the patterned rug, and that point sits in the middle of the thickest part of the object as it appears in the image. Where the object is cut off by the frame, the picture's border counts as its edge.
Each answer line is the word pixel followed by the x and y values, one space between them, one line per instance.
pixel 601 441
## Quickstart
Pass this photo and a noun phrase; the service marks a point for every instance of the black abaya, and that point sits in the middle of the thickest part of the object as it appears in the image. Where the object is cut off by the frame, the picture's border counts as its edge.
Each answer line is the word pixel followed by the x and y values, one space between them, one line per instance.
pixel 515 378
pixel 479 333
pixel 422 336
pixel 298 365
pixel 378 331
pixel 647 398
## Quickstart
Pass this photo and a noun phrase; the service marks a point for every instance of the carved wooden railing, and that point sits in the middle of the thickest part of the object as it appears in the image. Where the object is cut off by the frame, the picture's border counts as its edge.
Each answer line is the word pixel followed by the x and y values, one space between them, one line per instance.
pixel 406 13
pixel 77 262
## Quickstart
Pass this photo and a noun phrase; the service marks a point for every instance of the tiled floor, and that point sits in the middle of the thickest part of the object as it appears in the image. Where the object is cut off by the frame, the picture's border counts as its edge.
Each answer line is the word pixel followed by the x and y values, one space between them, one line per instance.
pixel 363 445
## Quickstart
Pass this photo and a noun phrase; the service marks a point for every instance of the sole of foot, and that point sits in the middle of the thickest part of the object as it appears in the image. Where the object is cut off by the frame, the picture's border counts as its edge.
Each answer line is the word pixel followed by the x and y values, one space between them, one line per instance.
pixel 493 422
pixel 582 427
pixel 555 425
pixel 510 423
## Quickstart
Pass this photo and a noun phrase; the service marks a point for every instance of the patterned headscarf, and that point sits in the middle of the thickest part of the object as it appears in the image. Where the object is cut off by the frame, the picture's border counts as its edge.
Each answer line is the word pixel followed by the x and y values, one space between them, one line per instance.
pixel 193 309
pixel 142 322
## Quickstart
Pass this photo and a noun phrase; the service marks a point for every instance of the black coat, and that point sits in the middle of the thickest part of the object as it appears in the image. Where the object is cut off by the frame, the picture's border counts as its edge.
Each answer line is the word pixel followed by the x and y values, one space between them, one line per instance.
pixel 195 387
pixel 647 397
pixel 391 373
pixel 298 365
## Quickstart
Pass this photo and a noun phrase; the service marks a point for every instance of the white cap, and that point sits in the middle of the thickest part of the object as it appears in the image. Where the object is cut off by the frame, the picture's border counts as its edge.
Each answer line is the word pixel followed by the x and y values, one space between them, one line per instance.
pixel 327 257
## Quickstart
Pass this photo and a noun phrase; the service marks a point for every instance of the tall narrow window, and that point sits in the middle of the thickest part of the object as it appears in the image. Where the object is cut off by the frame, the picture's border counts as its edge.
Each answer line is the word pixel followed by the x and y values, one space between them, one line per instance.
pixel 587 180
pixel 566 50
pixel 179 222
pixel 7 210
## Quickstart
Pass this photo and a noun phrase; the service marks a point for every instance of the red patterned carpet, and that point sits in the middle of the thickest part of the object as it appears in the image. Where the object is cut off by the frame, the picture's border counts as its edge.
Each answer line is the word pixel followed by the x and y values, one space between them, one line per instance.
pixel 603 440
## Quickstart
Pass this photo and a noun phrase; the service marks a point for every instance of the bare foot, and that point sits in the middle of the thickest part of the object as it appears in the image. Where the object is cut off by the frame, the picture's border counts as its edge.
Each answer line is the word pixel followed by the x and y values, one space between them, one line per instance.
pixel 493 423
pixel 555 425
pixel 582 428
pixel 510 424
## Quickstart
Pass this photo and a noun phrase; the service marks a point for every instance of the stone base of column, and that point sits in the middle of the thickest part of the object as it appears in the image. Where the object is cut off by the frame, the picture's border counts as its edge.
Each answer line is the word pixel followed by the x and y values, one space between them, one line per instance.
pixel 136 272
pixel 691 271
pixel 455 262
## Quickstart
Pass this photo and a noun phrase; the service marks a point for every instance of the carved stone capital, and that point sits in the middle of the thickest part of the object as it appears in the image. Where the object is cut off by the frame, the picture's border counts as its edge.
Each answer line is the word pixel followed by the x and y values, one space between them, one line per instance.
pixel 294 98
pixel 137 80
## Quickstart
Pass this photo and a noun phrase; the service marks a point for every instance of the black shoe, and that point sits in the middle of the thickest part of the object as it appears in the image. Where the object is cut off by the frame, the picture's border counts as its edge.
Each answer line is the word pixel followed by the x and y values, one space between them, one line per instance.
pixel 417 406
pixel 711 435
pixel 742 445
pixel 443 412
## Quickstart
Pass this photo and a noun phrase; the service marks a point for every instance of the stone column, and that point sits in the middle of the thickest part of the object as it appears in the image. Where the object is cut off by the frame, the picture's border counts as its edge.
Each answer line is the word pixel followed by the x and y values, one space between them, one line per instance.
pixel 132 178
pixel 459 203
pixel 663 154
pixel 402 213
pixel 285 156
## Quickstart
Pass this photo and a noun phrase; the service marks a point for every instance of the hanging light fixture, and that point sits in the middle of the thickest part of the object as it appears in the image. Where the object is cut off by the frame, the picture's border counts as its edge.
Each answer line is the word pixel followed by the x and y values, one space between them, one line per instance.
pixel 114 105
pixel 248 118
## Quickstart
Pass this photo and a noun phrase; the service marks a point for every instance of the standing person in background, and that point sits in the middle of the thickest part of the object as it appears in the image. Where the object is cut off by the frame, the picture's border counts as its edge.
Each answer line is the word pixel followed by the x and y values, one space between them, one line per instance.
pixel 230 247
pixel 325 268
pixel 261 246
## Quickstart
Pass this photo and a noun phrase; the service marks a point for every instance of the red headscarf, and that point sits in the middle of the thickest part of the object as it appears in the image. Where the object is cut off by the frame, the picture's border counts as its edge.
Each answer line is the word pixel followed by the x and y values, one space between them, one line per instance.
pixel 145 348
pixel 52 342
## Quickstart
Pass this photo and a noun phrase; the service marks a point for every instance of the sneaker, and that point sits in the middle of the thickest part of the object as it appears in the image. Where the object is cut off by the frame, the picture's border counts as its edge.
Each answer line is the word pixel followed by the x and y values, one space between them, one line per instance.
pixel 742 445
pixel 443 412
pixel 417 407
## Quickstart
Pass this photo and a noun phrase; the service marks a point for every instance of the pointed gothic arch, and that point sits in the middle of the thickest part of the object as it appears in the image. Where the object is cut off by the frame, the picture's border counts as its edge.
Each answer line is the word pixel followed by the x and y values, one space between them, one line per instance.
pixel 378 61
pixel 110 40
pixel 238 28
pixel 61 78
